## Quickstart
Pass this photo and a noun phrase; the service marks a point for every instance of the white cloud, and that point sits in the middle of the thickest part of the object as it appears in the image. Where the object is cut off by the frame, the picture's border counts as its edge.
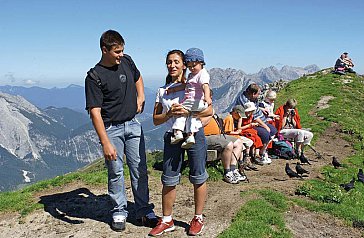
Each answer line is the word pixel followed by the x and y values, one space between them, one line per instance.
pixel 30 82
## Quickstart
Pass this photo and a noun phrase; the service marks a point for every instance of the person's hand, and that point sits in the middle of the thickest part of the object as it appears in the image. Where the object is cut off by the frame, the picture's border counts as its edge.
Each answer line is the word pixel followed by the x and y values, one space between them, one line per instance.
pixel 254 124
pixel 276 117
pixel 140 105
pixel 109 151
pixel 178 110
pixel 265 111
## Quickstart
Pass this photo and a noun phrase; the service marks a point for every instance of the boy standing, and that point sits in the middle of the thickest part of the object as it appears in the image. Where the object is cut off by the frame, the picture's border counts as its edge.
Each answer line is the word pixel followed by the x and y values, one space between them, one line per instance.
pixel 114 95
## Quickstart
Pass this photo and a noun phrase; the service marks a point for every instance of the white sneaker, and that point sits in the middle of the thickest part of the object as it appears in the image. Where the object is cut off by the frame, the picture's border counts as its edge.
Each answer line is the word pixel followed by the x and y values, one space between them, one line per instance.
pixel 239 176
pixel 176 138
pixel 188 143
pixel 230 178
pixel 266 159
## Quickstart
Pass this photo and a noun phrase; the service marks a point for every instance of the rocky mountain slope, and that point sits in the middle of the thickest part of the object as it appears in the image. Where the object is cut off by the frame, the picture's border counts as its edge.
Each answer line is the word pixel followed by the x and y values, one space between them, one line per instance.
pixel 41 143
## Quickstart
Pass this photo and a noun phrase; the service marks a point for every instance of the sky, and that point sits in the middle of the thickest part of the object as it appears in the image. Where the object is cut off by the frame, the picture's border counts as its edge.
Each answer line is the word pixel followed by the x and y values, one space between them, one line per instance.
pixel 49 43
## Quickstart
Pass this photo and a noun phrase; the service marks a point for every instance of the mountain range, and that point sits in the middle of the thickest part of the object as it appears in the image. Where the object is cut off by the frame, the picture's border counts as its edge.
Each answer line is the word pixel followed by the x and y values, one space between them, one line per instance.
pixel 46 132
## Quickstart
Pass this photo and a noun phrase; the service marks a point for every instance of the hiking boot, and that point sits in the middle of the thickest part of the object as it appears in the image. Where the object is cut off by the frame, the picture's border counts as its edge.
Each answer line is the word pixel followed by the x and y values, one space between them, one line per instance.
pixel 176 138
pixel 149 220
pixel 230 178
pixel 118 223
pixel 196 226
pixel 188 143
pixel 238 176
pixel 162 227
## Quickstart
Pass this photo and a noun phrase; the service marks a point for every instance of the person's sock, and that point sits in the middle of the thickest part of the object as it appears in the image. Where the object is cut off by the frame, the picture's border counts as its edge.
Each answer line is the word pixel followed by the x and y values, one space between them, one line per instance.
pixel 232 167
pixel 226 171
pixel 199 216
pixel 166 218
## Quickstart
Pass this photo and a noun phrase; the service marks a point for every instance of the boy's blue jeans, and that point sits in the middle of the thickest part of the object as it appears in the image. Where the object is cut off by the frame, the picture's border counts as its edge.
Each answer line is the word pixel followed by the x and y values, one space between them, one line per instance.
pixel 128 139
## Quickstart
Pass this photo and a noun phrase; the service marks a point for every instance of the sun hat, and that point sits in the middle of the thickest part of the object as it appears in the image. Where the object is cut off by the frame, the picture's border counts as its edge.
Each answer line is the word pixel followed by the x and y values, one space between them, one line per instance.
pixel 240 110
pixel 193 55
pixel 249 107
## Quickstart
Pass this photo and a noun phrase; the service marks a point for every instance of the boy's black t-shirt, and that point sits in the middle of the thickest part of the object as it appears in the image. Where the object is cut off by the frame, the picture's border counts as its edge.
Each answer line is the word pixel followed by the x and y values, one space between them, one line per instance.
pixel 116 96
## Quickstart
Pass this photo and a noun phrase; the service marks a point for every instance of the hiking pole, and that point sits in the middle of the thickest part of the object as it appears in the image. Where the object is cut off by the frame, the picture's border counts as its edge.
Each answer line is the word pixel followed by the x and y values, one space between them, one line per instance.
pixel 243 172
pixel 316 152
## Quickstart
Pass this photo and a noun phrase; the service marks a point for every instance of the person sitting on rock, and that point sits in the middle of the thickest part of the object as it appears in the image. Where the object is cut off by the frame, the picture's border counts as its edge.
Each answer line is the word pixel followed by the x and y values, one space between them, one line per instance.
pixel 344 64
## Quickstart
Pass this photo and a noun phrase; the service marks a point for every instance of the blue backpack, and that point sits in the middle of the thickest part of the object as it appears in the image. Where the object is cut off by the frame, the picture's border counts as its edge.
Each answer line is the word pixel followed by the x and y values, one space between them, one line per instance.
pixel 283 149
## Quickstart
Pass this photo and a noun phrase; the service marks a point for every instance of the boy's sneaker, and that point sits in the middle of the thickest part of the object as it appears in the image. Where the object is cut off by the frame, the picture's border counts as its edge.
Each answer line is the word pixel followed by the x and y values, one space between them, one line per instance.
pixel 238 176
pixel 118 223
pixel 196 226
pixel 229 177
pixel 176 138
pixel 162 227
pixel 188 143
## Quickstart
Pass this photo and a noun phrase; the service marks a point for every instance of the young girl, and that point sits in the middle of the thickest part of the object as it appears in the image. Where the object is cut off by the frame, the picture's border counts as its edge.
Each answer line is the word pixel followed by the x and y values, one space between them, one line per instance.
pixel 197 98
pixel 246 126
pixel 267 106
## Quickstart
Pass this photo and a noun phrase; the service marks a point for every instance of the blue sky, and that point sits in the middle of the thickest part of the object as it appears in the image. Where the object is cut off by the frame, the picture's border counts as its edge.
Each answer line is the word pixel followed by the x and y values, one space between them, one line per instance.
pixel 53 43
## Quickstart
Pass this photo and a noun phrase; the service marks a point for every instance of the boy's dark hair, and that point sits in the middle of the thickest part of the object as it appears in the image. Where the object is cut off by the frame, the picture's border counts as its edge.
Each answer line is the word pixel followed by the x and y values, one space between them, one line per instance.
pixel 253 88
pixel 111 38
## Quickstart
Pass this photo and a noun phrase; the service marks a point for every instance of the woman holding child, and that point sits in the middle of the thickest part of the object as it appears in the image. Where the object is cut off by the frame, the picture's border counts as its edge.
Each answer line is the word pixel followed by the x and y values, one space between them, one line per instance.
pixel 167 107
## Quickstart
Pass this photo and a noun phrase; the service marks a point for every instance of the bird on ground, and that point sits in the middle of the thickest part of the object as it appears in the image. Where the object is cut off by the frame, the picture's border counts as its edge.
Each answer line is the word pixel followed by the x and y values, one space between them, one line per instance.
pixel 335 162
pixel 304 160
pixel 290 172
pixel 348 186
pixel 361 176
pixel 300 170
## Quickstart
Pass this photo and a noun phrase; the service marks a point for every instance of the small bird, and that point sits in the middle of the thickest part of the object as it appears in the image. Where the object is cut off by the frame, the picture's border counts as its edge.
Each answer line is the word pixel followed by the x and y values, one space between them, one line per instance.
pixel 290 172
pixel 348 186
pixel 304 159
pixel 361 176
pixel 300 170
pixel 335 162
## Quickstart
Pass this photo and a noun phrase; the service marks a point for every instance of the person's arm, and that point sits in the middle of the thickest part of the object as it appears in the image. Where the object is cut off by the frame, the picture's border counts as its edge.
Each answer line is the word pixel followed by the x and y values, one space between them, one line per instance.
pixel 205 115
pixel 158 116
pixel 140 94
pixel 108 149
pixel 206 92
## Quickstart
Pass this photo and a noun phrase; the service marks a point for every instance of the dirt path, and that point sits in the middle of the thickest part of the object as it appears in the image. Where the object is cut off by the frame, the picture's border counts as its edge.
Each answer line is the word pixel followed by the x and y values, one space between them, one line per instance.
pixel 80 211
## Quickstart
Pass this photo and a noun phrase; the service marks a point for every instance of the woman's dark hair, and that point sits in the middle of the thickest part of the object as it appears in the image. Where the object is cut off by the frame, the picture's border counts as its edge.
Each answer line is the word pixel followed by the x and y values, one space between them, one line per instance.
pixel 111 38
pixel 182 55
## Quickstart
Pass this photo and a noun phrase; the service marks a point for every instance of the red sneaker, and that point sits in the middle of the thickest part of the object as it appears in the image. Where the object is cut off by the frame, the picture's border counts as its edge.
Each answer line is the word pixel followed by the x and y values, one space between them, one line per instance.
pixel 196 226
pixel 162 227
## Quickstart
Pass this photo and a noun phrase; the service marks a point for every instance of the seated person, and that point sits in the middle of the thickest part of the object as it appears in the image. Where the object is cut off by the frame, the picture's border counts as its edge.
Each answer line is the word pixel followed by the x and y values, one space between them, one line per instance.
pixel 246 126
pixel 344 64
pixel 267 106
pixel 265 130
pixel 231 123
pixel 229 147
pixel 289 126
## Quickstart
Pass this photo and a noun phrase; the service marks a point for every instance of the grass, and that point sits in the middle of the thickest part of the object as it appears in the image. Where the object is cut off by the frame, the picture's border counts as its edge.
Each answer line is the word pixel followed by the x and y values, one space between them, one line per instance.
pixel 255 218
pixel 260 217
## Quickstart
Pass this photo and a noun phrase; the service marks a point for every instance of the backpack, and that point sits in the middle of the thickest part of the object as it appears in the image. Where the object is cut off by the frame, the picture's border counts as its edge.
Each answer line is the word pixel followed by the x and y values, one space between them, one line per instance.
pixel 283 149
